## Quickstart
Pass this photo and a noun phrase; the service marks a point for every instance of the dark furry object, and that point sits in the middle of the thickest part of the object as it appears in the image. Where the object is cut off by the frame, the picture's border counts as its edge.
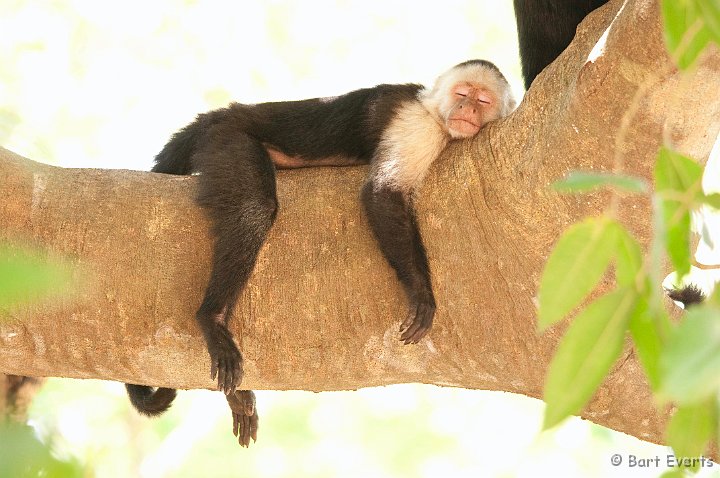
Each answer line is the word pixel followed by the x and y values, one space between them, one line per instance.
pixel 545 28
pixel 687 295
pixel 235 151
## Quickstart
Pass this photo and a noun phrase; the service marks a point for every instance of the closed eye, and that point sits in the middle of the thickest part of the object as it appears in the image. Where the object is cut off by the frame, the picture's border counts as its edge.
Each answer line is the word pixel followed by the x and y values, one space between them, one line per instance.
pixel 460 94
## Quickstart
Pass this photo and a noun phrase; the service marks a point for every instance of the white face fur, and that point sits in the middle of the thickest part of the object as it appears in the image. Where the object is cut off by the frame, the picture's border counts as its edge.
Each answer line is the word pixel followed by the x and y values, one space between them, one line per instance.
pixel 420 130
pixel 467 97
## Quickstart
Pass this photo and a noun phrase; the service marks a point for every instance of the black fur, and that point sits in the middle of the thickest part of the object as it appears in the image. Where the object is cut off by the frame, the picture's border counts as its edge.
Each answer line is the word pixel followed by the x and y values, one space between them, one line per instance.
pixel 236 150
pixel 688 295
pixel 228 147
pixel 393 224
pixel 545 29
pixel 349 126
pixel 149 401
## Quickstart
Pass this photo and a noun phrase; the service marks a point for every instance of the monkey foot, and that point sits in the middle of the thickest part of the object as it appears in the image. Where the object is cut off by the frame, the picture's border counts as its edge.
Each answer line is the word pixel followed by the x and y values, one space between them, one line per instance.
pixel 417 323
pixel 245 417
pixel 225 361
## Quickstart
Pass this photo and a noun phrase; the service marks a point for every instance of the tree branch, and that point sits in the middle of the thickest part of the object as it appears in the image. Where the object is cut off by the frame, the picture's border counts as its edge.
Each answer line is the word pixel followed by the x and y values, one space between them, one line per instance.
pixel 322 309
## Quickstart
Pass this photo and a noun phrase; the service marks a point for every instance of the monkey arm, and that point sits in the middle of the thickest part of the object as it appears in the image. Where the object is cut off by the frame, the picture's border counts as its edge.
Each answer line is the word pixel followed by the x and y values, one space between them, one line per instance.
pixel 319 308
pixel 394 226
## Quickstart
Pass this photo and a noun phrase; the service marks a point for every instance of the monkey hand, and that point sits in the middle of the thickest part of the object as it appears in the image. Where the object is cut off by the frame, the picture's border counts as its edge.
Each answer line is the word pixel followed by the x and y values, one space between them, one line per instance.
pixel 245 417
pixel 418 321
pixel 225 360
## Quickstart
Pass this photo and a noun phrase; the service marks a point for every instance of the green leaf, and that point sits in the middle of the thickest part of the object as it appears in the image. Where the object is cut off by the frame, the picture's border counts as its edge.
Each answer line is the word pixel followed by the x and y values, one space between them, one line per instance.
pixel 710 12
pixel 575 266
pixel 678 180
pixel 686 31
pixel 579 181
pixel 690 363
pixel 690 430
pixel 27 275
pixel 24 455
pixel 674 473
pixel 714 299
pixel 712 200
pixel 648 336
pixel 676 172
pixel 677 224
pixel 629 261
pixel 585 354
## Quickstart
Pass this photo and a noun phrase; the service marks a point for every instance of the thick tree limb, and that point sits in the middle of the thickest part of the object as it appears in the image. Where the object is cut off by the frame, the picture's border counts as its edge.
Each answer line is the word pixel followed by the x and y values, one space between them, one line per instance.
pixel 322 309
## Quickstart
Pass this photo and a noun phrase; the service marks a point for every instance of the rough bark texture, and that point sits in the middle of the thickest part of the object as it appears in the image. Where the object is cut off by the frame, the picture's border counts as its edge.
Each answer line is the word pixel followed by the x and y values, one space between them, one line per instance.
pixel 322 309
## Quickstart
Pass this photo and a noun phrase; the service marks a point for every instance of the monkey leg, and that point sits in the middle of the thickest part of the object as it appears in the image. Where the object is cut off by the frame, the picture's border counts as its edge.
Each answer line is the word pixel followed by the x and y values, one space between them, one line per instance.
pixel 237 189
pixel 392 221
pixel 244 414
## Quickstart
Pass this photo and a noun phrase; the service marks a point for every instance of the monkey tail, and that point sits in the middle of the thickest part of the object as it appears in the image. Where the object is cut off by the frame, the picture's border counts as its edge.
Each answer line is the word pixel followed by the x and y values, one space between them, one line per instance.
pixel 148 400
pixel 688 295
pixel 175 156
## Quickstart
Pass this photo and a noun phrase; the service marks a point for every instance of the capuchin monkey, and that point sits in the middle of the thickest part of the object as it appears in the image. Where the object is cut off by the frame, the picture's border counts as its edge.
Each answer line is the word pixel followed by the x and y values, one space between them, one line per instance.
pixel 398 129
pixel 545 28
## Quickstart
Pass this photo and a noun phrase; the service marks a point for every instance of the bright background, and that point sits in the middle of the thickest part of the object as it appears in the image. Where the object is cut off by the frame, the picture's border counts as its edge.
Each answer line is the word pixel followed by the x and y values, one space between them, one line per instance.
pixel 104 84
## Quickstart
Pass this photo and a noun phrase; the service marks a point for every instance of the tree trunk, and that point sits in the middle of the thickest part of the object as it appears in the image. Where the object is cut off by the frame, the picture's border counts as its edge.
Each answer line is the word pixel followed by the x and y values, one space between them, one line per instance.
pixel 322 309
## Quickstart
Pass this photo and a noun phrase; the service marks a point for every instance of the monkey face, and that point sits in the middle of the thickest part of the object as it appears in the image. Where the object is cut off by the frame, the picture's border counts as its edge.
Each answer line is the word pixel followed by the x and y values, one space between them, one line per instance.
pixel 468 96
pixel 471 105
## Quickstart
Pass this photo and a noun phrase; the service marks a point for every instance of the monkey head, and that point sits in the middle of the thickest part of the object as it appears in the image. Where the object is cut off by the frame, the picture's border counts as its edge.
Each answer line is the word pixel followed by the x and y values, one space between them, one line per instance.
pixel 468 96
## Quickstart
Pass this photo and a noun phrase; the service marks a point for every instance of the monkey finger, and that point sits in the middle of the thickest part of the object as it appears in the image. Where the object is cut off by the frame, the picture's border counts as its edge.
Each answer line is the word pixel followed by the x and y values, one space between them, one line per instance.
pixel 220 373
pixel 244 438
pixel 408 337
pixel 409 319
pixel 421 324
pixel 254 424
pixel 230 378
pixel 248 429
pixel 223 377
pixel 420 330
pixel 410 326
pixel 236 423
pixel 229 387
pixel 414 333
pixel 237 375
pixel 213 368
pixel 234 376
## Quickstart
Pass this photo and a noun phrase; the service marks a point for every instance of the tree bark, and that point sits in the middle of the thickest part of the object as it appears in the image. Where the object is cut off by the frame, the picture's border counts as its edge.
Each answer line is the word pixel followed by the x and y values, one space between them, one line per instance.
pixel 322 309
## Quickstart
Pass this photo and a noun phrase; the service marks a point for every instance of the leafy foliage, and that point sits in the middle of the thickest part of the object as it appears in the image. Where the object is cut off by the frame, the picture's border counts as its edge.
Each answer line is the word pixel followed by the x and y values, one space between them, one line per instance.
pixel 689 26
pixel 690 364
pixel 590 346
pixel 575 267
pixel 28 274
pixel 681 361
pixel 23 455
pixel 577 181
pixel 678 183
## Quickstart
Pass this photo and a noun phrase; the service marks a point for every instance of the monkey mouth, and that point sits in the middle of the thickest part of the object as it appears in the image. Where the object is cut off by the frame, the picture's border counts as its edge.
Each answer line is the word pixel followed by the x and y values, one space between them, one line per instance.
pixel 461 127
pixel 466 121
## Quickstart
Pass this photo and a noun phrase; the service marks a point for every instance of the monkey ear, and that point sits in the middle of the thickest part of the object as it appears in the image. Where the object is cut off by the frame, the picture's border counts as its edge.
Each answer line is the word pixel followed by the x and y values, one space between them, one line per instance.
pixel 510 105
pixel 510 102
